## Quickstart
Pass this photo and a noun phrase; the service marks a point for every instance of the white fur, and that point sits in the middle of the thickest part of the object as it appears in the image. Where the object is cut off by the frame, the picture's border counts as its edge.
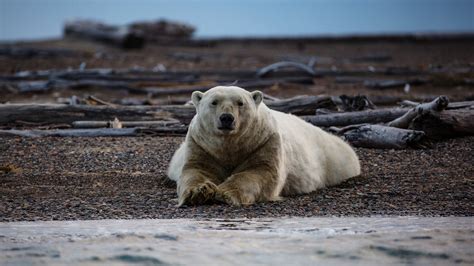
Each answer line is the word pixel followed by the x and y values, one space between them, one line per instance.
pixel 177 163
pixel 311 158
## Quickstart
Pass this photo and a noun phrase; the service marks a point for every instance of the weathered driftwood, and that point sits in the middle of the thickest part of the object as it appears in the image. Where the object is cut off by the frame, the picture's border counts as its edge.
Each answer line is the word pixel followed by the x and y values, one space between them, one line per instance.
pixel 140 74
pixel 408 103
pixel 265 71
pixel 353 103
pixel 103 132
pixel 60 113
pixel 324 111
pixel 175 100
pixel 301 105
pixel 381 100
pixel 451 106
pixel 103 74
pixel 437 105
pixel 445 124
pixel 460 105
pixel 108 124
pixel 246 84
pixel 169 77
pixel 354 118
pixel 381 137
pixel 269 98
pixel 93 30
pixel 94 100
pixel 137 75
pixel 113 132
pixel 39 86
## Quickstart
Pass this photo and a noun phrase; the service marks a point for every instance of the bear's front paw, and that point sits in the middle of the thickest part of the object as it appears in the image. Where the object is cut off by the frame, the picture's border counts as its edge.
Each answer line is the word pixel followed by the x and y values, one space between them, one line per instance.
pixel 199 194
pixel 234 197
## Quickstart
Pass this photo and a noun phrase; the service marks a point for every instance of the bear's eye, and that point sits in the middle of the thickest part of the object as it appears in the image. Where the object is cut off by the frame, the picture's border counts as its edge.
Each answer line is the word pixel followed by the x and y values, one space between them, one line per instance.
pixel 214 102
pixel 240 103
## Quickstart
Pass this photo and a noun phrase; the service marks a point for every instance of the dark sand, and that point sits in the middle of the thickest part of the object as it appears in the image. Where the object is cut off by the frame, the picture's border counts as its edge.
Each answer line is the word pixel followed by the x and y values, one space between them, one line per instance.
pixel 99 178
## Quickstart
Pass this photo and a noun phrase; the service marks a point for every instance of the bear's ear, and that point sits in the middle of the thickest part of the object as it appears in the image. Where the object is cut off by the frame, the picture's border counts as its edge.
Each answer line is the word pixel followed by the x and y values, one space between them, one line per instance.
pixel 257 97
pixel 196 97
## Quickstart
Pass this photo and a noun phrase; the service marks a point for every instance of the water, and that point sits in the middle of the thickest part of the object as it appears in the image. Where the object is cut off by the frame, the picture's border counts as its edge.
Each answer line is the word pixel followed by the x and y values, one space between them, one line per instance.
pixel 283 241
pixel 32 19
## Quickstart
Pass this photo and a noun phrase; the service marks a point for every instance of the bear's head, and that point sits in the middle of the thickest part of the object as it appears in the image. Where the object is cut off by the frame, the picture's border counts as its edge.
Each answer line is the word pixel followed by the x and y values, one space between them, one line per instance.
pixel 226 110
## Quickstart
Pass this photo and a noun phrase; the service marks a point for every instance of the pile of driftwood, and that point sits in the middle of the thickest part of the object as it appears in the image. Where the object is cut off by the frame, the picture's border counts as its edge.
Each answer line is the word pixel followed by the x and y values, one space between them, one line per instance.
pixel 355 118
pixel 161 82
pixel 402 127
pixel 375 128
pixel 134 35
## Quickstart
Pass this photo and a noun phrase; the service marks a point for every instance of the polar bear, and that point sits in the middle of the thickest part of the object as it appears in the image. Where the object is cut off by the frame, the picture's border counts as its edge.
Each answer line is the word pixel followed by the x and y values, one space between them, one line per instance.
pixel 239 151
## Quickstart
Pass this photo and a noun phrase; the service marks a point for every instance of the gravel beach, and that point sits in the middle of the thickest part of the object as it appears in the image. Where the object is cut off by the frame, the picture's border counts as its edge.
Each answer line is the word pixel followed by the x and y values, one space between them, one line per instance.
pixel 125 178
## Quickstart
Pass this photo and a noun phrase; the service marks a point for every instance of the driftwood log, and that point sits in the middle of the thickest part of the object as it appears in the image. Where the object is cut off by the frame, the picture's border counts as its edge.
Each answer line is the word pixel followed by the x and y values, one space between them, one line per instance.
pixel 436 105
pixel 445 124
pixel 265 71
pixel 451 106
pixel 301 105
pixel 102 132
pixel 61 113
pixel 46 85
pixel 353 103
pixel 428 120
pixel 108 124
pixel 380 137
pixel 354 118
pixel 140 74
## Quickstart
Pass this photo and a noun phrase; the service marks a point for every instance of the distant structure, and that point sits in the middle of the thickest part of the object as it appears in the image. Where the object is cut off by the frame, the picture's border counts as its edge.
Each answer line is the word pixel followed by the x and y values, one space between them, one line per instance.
pixel 132 36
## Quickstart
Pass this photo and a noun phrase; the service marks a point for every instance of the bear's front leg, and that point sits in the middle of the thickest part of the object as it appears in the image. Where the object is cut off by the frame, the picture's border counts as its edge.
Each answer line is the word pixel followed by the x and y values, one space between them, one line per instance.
pixel 255 179
pixel 194 187
pixel 248 187
pixel 199 178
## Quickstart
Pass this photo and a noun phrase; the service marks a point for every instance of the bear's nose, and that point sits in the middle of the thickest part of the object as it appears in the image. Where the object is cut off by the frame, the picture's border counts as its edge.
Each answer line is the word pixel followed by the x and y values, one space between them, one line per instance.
pixel 226 119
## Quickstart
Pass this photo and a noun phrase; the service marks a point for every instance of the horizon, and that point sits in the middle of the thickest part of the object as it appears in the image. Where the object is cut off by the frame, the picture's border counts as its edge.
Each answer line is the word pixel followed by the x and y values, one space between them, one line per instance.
pixel 43 19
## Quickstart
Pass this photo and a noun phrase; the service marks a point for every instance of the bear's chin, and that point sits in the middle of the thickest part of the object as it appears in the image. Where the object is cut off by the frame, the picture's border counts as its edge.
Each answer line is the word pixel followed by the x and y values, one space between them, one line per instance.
pixel 225 131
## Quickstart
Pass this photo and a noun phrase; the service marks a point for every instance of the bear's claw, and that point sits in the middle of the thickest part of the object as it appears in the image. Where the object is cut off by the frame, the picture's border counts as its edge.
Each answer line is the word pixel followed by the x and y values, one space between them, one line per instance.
pixel 198 194
pixel 233 197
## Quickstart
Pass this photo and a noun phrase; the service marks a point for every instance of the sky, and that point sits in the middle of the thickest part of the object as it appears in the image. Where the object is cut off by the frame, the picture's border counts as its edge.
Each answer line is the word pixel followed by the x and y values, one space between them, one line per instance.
pixel 39 19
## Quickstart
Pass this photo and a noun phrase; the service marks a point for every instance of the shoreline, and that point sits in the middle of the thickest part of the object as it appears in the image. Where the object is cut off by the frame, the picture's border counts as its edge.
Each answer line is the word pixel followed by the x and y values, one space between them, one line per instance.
pixel 368 241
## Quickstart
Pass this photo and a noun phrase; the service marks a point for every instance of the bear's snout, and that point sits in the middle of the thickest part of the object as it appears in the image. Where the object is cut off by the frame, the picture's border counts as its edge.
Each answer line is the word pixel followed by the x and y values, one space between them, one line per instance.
pixel 226 121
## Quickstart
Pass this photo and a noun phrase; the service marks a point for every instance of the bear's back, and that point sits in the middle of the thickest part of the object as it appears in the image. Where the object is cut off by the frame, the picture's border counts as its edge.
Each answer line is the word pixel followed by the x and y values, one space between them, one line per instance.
pixel 312 158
